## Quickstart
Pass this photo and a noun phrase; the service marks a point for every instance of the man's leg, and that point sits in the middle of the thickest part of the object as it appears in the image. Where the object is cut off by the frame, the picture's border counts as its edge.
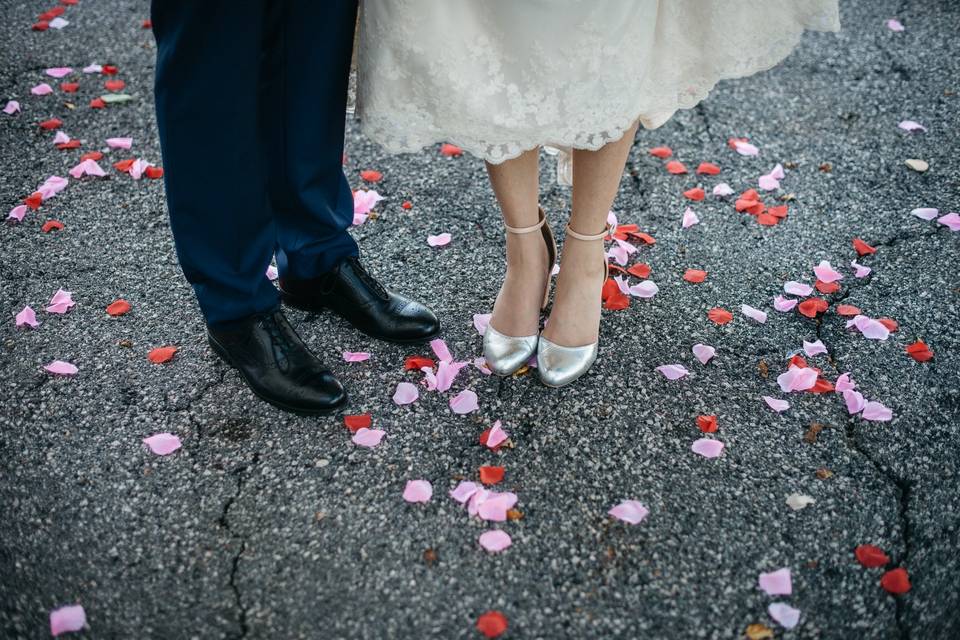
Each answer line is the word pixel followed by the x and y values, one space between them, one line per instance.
pixel 208 69
pixel 309 55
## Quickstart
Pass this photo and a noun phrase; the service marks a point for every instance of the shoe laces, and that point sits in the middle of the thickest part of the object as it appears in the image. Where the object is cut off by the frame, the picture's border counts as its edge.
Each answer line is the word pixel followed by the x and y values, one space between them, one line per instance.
pixel 281 342
pixel 368 279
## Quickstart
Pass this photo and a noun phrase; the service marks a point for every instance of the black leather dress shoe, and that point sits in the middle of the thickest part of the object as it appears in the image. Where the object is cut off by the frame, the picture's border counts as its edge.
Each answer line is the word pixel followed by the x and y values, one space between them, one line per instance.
pixel 356 296
pixel 277 365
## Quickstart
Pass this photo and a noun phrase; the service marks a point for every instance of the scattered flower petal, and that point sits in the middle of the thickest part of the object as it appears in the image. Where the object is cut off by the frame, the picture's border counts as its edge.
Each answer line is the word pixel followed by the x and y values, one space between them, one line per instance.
pixel 826 273
pixel 753 314
pixel 368 437
pixel 951 220
pixel 703 352
pixel 495 540
pixel 492 624
pixel 814 348
pixel 481 321
pixel 785 615
pixel 11 107
pixel 162 444
pixel 783 304
pixel 27 318
pixel 496 436
pixel 464 402
pixel 876 412
pixel 925 213
pixel 439 240
pixel 871 556
pixel 707 448
pixel 722 189
pixel 672 371
pixel 776 583
pixel 689 218
pixel 798 501
pixel 629 511
pixel 896 581
pixel 67 619
pixel 776 404
pixel 797 379
pixel 417 491
pixel 61 368
pixel 894 25
pixel 355 356
pixel 405 393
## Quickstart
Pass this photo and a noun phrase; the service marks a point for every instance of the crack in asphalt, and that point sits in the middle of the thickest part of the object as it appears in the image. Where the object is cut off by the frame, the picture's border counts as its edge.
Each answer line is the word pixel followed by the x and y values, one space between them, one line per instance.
pixel 224 521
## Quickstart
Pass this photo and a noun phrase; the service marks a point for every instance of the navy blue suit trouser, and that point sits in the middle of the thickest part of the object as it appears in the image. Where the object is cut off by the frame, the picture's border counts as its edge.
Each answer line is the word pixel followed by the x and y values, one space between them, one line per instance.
pixel 251 98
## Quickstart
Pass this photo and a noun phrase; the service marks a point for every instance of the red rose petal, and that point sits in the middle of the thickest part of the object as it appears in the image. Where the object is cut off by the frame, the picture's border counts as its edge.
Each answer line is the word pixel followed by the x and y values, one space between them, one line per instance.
pixel 848 310
pixel 146 24
pixel 161 354
pixel 812 306
pixel 34 200
pixel 491 475
pixel 407 205
pixel 357 422
pixel 153 172
pixel 889 323
pixel 415 363
pixel 450 150
pixel 51 225
pixel 694 275
pixel 118 308
pixel 767 220
pixel 42 25
pixel 641 270
pixel 827 287
pixel 72 144
pixel 676 168
pixel 69 87
pixel 97 103
pixel 51 124
pixel 617 301
pixel 371 176
pixel 707 424
pixel 114 85
pixel 797 361
pixel 871 556
pixel 778 212
pixel 720 315
pixel 123 165
pixel 696 194
pixel 896 581
pixel 708 169
pixel 646 238
pixel 661 152
pixel 110 70
pixel 822 385
pixel 919 351
pixel 862 248
pixel 492 624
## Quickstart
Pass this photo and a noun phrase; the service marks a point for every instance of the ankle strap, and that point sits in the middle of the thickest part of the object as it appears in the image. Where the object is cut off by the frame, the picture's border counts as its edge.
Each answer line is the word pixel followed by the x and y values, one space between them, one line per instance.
pixel 580 236
pixel 530 229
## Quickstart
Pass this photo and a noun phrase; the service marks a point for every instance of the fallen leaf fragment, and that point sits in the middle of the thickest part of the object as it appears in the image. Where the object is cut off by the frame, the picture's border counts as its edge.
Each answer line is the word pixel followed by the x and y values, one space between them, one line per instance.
pixel 759 631
pixel 162 444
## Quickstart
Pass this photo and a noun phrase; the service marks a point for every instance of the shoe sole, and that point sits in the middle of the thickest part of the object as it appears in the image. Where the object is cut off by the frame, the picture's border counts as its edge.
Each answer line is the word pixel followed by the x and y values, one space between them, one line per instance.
pixel 289 301
pixel 222 353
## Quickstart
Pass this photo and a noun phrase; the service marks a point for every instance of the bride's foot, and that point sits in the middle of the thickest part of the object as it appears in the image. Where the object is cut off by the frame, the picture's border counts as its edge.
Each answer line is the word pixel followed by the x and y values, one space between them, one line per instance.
pixel 516 311
pixel 575 317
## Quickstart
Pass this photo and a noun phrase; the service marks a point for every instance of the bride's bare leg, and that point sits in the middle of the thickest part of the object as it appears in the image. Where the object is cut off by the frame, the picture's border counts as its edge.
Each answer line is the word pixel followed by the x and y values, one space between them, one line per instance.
pixel 575 317
pixel 517 187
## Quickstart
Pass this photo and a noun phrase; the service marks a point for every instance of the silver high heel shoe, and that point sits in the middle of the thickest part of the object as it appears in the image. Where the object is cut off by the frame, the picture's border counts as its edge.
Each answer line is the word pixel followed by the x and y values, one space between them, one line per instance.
pixel 559 365
pixel 506 354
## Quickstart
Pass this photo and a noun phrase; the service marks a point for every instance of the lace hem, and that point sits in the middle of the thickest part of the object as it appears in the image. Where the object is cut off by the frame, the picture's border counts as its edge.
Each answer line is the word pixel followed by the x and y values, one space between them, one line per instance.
pixel 385 128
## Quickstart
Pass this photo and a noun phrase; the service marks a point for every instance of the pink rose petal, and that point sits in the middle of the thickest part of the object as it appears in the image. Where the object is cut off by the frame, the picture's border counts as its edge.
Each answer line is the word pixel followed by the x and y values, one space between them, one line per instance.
pixel 27 318
pixel 646 289
pixel 441 350
pixel 58 23
pixel 481 364
pixel 707 448
pixel 783 305
pixel 894 25
pixel 951 220
pixel 355 356
pixel 93 68
pixel 364 201
pixel 447 373
pixel 17 213
pixel 797 379
pixel 860 271
pixel 870 328
pixel 61 368
pixel 910 125
pixel 776 404
pixel 12 107
pixel 61 302
pixel 784 615
pixel 753 314
pixel 272 273
pixel 745 148
pixel 854 401
pixel 776 583
pixel 67 619
pixel 42 89
pixel 630 511
pixel 844 383
pixel 797 288
pixel 439 240
pixel 405 393
pixel 464 402
pixel 876 412
pixel 768 183
pixel 59 72
pixel 119 143
pixel 417 491
pixel 60 138
pixel 672 371
pixel 88 167
pixel 495 540
pixel 481 321
pixel 925 213
pixel 618 254
pixel 369 438
pixel 497 436
pixel 52 186
pixel 689 218
pixel 814 348
pixel 493 506
pixel 826 273
pixel 162 444
pixel 703 352
pixel 722 189
pixel 464 491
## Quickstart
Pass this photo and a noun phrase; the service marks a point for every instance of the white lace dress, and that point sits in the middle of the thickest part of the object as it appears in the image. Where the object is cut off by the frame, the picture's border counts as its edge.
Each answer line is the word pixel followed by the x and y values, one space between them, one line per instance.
pixel 498 77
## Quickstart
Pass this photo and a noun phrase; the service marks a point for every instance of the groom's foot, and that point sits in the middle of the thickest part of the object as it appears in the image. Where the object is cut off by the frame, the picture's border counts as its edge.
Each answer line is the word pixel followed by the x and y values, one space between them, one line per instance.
pixel 276 364
pixel 357 297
